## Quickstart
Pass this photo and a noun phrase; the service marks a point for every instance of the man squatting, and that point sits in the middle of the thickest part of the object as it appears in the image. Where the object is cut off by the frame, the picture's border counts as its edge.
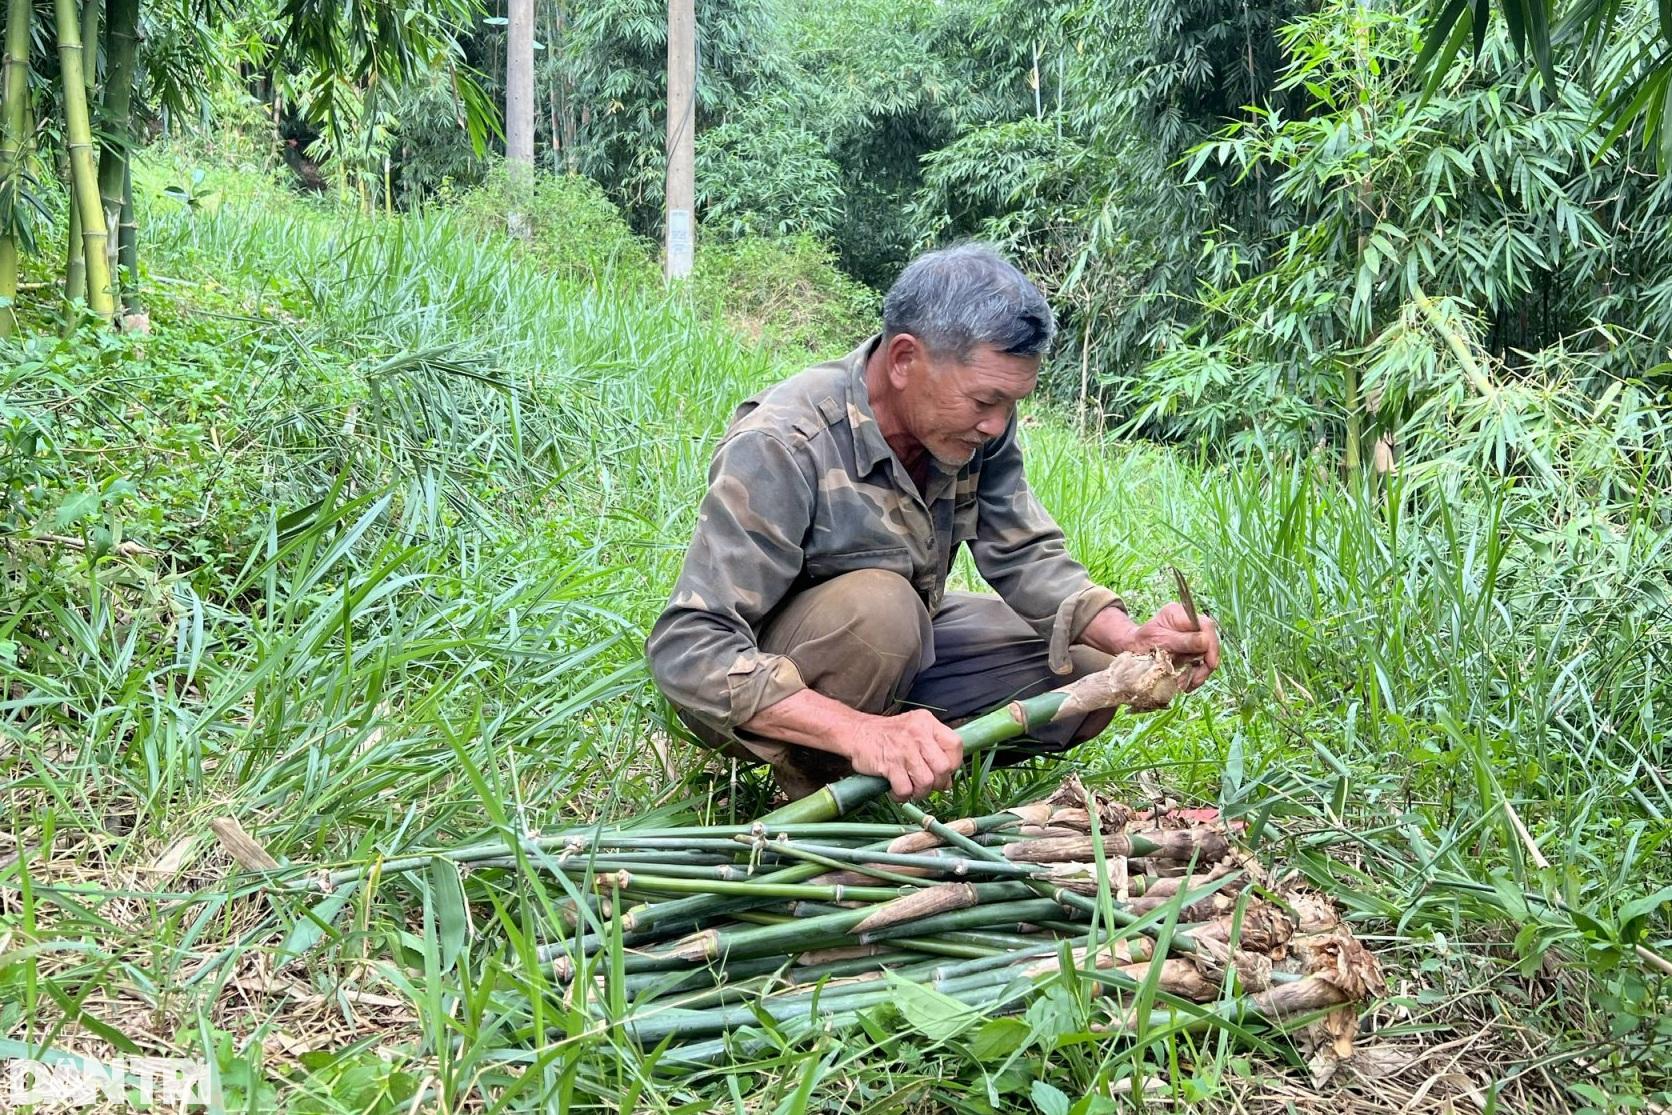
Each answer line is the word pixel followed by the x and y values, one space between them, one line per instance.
pixel 811 628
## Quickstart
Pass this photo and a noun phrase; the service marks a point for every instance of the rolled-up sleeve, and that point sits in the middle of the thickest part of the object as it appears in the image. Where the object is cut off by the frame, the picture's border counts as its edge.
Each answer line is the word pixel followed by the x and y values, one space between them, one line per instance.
pixel 1020 551
pixel 745 555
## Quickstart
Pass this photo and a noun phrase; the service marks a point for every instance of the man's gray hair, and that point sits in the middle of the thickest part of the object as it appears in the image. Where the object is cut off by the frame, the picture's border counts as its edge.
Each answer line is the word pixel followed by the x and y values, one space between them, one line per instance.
pixel 957 299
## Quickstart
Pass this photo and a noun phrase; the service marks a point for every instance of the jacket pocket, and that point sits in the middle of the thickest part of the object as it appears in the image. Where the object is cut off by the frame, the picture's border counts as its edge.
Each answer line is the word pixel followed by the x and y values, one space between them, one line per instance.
pixel 895 559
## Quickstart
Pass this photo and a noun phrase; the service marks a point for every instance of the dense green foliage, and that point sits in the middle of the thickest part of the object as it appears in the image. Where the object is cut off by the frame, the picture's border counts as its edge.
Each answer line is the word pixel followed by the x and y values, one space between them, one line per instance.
pixel 359 547
pixel 360 543
pixel 1239 209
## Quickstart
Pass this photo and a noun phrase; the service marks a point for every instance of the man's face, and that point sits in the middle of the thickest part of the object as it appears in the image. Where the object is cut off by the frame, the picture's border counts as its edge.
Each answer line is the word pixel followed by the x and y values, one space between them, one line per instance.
pixel 952 407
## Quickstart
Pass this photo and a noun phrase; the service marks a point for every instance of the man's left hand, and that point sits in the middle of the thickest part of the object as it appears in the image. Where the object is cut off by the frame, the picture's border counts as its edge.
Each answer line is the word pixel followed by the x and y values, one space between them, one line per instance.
pixel 1170 629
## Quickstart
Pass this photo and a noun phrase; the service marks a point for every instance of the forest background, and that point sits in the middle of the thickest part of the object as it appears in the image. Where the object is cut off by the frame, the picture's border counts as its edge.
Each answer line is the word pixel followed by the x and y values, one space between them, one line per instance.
pixel 354 528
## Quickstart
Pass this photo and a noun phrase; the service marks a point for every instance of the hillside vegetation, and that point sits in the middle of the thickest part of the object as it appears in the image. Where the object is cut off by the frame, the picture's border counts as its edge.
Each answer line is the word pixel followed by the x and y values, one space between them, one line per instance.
pixel 359 545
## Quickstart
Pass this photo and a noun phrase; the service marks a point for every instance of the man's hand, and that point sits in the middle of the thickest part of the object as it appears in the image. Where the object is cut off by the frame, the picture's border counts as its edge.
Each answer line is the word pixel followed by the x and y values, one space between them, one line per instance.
pixel 913 750
pixel 1170 629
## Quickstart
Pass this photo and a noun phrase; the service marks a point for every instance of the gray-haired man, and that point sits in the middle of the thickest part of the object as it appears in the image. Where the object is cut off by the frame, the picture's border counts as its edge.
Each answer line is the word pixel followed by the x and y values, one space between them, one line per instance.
pixel 811 627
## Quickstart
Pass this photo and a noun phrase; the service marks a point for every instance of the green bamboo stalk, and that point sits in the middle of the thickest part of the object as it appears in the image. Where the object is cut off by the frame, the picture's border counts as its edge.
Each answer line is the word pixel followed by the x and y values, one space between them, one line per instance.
pixel 697 907
pixel 754 888
pixel 577 868
pixel 84 182
pixel 1061 895
pixel 665 983
pixel 583 839
pixel 901 962
pixel 14 87
pixel 75 266
pixel 817 855
pixel 91 10
pixel 741 1038
pixel 814 859
pixel 977 992
pixel 721 944
pixel 980 734
pixel 796 933
pixel 858 858
pixel 1147 679
pixel 985 916
pixel 983 985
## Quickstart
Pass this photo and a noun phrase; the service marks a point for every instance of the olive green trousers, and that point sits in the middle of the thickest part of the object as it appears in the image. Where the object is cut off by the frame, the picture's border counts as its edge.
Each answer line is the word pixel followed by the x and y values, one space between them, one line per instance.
pixel 865 639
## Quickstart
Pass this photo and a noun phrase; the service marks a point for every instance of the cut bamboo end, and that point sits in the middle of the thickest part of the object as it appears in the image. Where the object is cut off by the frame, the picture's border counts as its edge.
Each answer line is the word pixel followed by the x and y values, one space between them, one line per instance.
pixel 1138 681
pixel 921 904
pixel 700 946
pixel 1258 928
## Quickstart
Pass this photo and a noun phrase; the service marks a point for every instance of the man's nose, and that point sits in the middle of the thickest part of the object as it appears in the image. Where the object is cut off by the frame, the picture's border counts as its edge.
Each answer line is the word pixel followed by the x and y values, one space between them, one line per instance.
pixel 993 425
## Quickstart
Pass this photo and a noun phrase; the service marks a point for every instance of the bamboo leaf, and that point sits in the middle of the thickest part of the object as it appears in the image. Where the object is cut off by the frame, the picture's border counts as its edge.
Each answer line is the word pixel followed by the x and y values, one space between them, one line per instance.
pixel 1452 44
pixel 315 923
pixel 452 912
pixel 931 1013
pixel 1440 32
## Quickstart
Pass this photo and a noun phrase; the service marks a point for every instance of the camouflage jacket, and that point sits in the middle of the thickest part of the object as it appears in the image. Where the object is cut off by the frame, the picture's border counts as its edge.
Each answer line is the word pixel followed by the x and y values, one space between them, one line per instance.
pixel 803 488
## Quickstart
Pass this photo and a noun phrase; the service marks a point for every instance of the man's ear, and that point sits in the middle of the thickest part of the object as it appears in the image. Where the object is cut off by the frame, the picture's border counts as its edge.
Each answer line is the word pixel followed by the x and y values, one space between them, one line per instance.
pixel 906 358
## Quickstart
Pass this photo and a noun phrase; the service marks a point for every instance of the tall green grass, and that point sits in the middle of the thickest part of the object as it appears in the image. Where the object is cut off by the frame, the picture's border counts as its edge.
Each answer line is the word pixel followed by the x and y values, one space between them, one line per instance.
pixel 406 504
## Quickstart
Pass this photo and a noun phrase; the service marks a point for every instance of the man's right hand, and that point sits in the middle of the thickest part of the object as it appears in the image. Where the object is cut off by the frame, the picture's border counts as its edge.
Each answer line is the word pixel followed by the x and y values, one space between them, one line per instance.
pixel 915 752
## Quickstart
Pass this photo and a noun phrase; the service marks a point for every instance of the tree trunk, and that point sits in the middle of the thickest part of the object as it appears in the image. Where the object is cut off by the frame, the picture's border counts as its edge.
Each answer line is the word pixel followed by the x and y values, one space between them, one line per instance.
pixel 679 231
pixel 127 247
pixel 14 85
pixel 519 110
pixel 91 10
pixel 116 116
pixel 566 101
pixel 75 264
pixel 84 176
pixel 519 82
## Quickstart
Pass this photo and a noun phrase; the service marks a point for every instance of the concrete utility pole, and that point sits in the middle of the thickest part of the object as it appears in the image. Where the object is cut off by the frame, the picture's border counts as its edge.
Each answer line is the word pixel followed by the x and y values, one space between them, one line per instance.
pixel 519 83
pixel 681 224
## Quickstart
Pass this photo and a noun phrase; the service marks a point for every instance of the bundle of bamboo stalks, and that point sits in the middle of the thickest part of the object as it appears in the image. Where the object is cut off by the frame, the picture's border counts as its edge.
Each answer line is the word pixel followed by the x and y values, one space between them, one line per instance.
pixel 818 921
pixel 693 935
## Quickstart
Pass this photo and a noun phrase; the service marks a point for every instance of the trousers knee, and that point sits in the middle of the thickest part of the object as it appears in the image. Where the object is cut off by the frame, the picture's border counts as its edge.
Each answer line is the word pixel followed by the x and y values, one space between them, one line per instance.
pixel 861 638
pixel 884 611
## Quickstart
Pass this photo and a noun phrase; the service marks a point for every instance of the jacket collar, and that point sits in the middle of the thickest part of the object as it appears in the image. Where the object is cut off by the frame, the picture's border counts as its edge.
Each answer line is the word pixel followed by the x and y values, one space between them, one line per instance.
pixel 870 448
